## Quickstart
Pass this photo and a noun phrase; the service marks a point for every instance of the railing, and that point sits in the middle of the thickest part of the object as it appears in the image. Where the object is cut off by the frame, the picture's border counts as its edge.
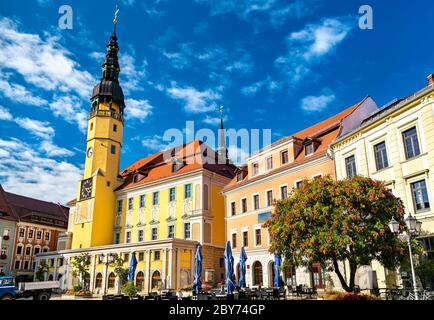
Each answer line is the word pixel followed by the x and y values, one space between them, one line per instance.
pixel 106 113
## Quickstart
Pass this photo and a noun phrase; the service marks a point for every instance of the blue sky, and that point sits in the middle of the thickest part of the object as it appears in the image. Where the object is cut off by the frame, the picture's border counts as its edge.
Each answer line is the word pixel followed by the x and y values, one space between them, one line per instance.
pixel 282 65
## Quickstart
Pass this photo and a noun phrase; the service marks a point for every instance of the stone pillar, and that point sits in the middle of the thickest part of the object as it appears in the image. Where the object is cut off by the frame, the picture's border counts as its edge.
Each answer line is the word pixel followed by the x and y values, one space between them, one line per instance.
pixel 163 269
pixel 178 268
pixel 170 268
pixel 56 261
pixel 147 283
pixel 92 274
pixel 105 275
pixel 69 274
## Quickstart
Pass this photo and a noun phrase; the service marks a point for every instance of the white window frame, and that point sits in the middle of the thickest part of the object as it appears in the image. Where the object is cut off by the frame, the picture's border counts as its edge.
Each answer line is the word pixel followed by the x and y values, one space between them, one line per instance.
pixel 234 231
pixel 245 229
pixel 253 168
pixel 131 236
pixel 296 181
pixel 257 227
pixel 138 235
pixel 416 122
pixel 241 205
pixel 183 227
pixel 22 250
pixel 266 163
pixel 317 175
pixel 266 197
pixel 280 154
pixel 280 191
pixel 158 231
pixel 253 201
pixel 114 237
pixel 174 231
pixel 411 205
pixel 49 235
pixel 230 208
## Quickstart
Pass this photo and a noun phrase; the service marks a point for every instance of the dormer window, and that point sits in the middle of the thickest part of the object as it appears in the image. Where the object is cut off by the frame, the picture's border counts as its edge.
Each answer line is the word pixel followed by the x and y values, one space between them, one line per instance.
pixel 174 167
pixel 239 176
pixel 308 149
pixel 255 168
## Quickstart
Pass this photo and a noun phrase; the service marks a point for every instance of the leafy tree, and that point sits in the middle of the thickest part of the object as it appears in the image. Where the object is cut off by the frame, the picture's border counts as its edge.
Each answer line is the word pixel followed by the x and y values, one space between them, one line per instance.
pixel 330 221
pixel 120 271
pixel 425 271
pixel 130 289
pixel 81 265
pixel 42 269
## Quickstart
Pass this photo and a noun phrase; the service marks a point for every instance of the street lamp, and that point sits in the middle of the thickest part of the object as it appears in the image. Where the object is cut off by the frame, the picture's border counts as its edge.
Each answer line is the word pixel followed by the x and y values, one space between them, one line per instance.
pixel 413 229
pixel 107 262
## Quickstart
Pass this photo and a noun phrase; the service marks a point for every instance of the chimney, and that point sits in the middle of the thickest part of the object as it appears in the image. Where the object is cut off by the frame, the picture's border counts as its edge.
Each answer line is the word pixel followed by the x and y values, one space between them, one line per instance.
pixel 430 79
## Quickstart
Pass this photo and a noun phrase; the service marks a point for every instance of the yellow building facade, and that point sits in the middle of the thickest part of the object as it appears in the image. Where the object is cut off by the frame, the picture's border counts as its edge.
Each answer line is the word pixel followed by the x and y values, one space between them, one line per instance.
pixel 396 145
pixel 158 208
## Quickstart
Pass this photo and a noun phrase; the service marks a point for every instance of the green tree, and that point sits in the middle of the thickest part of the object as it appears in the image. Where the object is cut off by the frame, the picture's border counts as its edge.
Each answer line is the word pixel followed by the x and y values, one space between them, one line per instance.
pixel 130 289
pixel 80 268
pixel 120 271
pixel 425 271
pixel 330 221
pixel 42 269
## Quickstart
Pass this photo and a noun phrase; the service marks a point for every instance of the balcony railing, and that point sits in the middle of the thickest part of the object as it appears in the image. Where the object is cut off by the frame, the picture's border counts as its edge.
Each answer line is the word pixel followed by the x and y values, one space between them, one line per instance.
pixel 106 113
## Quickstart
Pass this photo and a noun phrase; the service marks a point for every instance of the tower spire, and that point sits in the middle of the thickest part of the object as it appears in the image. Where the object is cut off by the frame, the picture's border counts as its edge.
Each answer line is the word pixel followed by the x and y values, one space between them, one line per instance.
pixel 222 150
pixel 109 90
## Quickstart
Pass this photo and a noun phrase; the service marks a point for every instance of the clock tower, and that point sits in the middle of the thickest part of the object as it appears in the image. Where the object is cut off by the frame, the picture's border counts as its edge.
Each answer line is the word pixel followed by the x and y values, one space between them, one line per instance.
pixel 95 207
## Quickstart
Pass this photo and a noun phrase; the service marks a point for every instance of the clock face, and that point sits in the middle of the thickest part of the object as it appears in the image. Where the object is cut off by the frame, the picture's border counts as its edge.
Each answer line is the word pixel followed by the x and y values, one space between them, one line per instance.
pixel 86 189
pixel 89 152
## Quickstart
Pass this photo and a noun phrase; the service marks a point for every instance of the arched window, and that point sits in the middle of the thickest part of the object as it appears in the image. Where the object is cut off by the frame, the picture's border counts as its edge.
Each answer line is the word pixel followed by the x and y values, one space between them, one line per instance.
pixel 50 277
pixel 156 280
pixel 98 280
pixel 140 279
pixel 59 276
pixel 111 281
pixel 257 273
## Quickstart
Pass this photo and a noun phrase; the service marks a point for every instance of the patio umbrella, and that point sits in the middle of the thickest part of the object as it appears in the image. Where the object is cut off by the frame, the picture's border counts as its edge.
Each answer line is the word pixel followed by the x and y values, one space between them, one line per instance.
pixel 243 259
pixel 197 284
pixel 229 264
pixel 278 282
pixel 132 268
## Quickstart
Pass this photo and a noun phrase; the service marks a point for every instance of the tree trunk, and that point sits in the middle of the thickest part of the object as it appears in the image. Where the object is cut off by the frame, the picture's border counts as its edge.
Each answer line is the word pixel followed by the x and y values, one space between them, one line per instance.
pixel 353 270
pixel 340 276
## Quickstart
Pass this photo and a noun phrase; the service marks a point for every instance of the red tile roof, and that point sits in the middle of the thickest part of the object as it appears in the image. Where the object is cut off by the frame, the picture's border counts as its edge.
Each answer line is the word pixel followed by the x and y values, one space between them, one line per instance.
pixel 155 168
pixel 325 132
pixel 33 210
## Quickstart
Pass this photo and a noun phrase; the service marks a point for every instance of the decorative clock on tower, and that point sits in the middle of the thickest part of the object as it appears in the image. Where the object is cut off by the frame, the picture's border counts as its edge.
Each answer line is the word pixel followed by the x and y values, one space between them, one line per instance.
pixel 86 189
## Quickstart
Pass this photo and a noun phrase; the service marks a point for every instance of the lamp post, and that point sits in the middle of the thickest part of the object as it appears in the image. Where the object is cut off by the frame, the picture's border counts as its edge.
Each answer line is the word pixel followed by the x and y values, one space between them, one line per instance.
pixel 413 229
pixel 106 262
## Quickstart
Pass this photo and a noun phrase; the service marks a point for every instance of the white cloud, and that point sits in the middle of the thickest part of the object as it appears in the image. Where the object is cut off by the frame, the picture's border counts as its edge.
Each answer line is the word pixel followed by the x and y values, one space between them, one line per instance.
pixel 310 45
pixel 128 2
pixel 155 143
pixel 25 171
pixel 38 128
pixel 5 114
pixel 195 101
pixel 44 63
pixel 254 88
pixel 237 155
pixel 317 103
pixel 137 109
pixel 276 11
pixel 97 56
pixel 131 75
pixel 213 120
pixel 52 150
pixel 19 94
pixel 69 108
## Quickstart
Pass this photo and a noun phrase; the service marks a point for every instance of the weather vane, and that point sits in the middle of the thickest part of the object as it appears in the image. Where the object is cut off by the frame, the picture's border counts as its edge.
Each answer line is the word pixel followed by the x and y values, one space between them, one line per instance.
pixel 115 20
